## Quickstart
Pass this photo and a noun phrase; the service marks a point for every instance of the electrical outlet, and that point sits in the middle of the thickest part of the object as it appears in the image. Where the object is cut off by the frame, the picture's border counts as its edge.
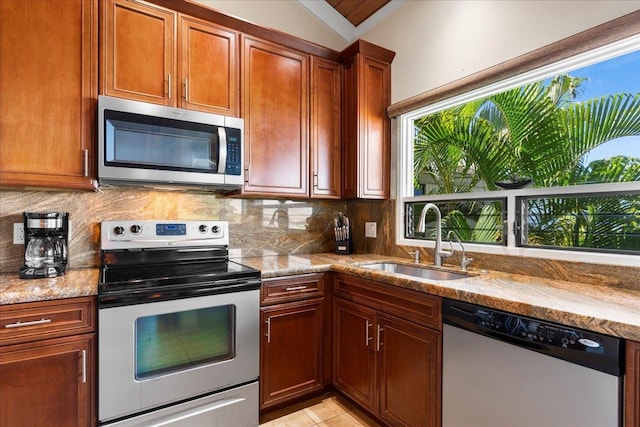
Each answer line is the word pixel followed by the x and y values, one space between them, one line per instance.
pixel 18 233
pixel 370 229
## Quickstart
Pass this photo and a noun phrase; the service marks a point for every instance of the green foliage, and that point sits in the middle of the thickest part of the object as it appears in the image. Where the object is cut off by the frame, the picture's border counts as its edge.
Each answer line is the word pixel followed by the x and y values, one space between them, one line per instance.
pixel 536 131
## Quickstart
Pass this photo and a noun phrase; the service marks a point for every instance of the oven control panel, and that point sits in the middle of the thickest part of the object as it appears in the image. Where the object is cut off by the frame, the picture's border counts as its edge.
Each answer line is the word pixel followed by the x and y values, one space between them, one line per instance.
pixel 139 234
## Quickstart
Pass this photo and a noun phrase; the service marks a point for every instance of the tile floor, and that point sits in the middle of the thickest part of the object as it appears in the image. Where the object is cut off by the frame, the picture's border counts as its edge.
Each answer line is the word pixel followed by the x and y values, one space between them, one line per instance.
pixel 325 411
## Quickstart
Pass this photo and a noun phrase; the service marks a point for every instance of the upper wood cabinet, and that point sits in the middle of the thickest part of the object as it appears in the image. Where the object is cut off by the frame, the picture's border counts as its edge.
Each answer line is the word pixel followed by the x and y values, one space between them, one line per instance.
pixel 156 55
pixel 366 149
pixel 326 95
pixel 48 88
pixel 208 67
pixel 275 107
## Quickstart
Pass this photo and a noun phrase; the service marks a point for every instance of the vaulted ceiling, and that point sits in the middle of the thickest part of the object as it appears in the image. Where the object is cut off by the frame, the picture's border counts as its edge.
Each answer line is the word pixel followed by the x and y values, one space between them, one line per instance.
pixel 357 11
pixel 352 18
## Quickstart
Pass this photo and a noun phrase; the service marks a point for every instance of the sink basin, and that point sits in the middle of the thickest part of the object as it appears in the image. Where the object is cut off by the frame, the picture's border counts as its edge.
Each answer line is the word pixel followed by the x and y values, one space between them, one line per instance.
pixel 415 271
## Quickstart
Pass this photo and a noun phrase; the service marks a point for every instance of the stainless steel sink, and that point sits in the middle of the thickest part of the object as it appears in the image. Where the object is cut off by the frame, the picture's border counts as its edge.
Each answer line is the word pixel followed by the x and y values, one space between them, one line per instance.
pixel 420 272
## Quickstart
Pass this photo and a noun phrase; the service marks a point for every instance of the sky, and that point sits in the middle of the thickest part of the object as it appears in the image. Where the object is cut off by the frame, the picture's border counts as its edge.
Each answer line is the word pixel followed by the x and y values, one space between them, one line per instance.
pixel 621 74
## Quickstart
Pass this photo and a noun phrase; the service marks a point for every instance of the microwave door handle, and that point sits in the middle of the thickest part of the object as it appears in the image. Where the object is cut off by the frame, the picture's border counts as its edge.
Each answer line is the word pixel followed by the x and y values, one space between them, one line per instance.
pixel 222 150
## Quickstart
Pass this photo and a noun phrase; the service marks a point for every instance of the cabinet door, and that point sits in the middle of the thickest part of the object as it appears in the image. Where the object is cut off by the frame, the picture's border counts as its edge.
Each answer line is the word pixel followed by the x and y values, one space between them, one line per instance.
pixel 138 52
pixel 291 356
pixel 354 352
pixel 632 385
pixel 326 88
pixel 367 129
pixel 48 383
pixel 409 373
pixel 275 87
pixel 48 87
pixel 208 67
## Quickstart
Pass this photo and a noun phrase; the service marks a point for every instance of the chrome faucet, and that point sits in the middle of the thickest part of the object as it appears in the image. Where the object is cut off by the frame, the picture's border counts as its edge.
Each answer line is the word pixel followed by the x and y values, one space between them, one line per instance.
pixel 438 254
pixel 464 261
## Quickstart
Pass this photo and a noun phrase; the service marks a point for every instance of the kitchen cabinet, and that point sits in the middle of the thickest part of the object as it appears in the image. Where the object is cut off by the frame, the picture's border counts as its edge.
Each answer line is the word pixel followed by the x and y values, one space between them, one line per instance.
pixel 178 60
pixel 47 360
pixel 388 351
pixel 366 150
pixel 325 141
pixel 275 98
pixel 292 355
pixel 632 385
pixel 48 82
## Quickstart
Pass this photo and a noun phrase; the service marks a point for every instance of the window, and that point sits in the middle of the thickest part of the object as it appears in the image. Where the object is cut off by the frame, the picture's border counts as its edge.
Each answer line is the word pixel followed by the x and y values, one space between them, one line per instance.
pixel 545 163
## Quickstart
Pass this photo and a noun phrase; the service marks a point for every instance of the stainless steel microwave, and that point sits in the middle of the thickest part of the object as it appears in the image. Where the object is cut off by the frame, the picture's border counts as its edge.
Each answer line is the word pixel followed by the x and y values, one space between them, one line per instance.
pixel 154 145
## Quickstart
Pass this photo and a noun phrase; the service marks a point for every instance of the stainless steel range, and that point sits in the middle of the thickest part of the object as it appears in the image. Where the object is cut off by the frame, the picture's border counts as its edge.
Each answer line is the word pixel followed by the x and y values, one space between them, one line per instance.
pixel 178 327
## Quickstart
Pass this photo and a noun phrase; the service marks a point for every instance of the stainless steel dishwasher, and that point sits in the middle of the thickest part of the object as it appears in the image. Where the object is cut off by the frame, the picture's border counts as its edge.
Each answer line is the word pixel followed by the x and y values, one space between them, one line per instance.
pixel 502 369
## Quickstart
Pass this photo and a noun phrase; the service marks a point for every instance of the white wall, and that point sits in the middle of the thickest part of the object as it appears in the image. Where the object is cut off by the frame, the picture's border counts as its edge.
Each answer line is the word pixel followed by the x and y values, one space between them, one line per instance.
pixel 437 42
pixel 287 16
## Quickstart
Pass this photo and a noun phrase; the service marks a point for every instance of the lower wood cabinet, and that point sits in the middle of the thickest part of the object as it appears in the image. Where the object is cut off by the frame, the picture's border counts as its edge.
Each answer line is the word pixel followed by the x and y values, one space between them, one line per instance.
pixel 632 385
pixel 388 351
pixel 48 381
pixel 293 344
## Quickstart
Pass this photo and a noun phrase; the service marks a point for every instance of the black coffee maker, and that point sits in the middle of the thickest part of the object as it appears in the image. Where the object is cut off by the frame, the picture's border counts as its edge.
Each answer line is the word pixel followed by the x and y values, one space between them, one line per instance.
pixel 45 244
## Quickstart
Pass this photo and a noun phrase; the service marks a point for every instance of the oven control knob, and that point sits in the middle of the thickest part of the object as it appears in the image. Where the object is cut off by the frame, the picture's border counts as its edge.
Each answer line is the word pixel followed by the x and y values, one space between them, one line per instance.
pixel 135 229
pixel 118 230
pixel 203 228
pixel 215 229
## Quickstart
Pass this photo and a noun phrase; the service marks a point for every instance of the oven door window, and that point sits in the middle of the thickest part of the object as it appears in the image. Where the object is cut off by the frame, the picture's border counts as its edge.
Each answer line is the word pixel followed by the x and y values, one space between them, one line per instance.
pixel 175 342
pixel 157 143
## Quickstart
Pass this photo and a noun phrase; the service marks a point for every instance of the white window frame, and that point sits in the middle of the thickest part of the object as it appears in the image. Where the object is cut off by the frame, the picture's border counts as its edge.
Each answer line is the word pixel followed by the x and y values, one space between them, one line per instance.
pixel 403 134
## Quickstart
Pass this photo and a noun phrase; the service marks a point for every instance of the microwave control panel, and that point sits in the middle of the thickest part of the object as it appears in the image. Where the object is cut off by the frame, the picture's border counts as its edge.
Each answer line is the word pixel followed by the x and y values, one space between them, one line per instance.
pixel 234 152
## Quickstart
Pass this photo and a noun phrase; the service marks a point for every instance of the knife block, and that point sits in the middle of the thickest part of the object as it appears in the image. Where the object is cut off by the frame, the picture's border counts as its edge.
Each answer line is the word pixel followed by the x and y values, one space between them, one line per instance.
pixel 344 247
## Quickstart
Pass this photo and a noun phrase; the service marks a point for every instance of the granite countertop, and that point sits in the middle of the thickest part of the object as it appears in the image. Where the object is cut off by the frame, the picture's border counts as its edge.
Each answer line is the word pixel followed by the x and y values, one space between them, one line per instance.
pixel 75 283
pixel 603 309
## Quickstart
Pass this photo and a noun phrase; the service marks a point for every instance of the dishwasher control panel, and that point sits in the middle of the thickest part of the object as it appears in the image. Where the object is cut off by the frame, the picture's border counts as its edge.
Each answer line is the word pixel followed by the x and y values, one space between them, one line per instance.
pixel 587 348
pixel 537 331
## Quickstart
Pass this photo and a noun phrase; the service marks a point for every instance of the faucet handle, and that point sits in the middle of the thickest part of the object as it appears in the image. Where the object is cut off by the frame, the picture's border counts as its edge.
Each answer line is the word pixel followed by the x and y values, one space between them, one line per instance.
pixel 416 256
pixel 450 252
pixel 447 254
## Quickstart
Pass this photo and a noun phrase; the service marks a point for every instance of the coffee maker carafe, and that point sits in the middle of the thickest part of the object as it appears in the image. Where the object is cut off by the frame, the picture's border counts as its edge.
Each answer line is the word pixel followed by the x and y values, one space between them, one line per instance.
pixel 45 244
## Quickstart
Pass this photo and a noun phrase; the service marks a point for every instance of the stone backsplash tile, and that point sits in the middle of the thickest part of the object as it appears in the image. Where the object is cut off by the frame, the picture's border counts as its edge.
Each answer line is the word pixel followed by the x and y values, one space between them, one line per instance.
pixel 257 227
pixel 262 228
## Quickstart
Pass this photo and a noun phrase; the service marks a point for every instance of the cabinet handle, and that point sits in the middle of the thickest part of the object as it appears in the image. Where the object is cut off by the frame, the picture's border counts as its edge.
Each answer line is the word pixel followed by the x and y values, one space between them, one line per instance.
pixel 378 343
pixel 84 366
pixel 22 324
pixel 246 176
pixel 268 330
pixel 85 162
pixel 296 288
pixel 367 338
pixel 186 90
pixel 169 86
pixel 315 181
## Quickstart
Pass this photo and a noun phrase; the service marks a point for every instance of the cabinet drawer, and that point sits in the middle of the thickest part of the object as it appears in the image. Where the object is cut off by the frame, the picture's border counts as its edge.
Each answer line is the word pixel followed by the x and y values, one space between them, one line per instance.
pixel 407 304
pixel 292 288
pixel 32 321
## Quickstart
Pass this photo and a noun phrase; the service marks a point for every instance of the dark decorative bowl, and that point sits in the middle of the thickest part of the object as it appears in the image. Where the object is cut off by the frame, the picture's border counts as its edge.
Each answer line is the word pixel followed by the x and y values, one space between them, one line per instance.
pixel 514 185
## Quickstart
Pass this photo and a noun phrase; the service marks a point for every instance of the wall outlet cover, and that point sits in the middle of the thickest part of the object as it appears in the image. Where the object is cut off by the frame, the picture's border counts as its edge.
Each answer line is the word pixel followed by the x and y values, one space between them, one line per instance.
pixel 18 233
pixel 370 229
